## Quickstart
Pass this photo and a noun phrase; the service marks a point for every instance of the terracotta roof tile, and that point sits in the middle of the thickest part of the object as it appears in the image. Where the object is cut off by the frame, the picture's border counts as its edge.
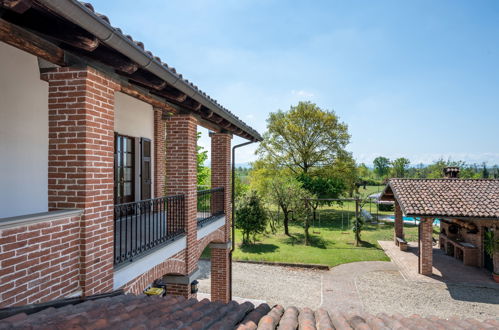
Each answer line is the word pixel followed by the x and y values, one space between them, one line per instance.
pixel 172 312
pixel 475 198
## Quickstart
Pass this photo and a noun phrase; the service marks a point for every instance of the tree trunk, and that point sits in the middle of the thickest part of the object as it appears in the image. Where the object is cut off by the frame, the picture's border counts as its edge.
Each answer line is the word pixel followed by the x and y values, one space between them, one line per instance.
pixel 286 221
pixel 307 236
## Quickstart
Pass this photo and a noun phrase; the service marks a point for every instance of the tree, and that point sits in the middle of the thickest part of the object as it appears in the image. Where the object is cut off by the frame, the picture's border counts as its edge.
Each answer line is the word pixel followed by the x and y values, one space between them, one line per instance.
pixel 321 186
pixel 345 170
pixel 485 171
pixel 304 137
pixel 251 216
pixel 399 167
pixel 203 172
pixel 381 166
pixel 288 194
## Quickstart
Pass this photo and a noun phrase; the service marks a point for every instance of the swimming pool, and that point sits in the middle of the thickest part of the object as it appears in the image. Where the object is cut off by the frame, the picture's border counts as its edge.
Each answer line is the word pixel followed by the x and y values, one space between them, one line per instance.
pixel 412 220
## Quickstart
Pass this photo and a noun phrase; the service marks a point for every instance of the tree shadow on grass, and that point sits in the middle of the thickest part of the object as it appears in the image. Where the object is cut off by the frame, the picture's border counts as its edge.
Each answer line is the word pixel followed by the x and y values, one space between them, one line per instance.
pixel 368 245
pixel 258 248
pixel 299 239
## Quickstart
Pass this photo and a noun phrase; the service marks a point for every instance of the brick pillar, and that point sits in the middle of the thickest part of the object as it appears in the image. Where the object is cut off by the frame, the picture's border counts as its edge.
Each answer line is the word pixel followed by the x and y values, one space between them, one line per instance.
pixel 159 153
pixel 220 172
pixel 181 177
pixel 183 290
pixel 426 247
pixel 398 223
pixel 81 164
pixel 220 268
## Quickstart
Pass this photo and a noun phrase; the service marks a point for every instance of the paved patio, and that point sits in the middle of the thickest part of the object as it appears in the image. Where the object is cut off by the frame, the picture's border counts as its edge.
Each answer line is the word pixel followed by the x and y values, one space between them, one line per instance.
pixel 445 268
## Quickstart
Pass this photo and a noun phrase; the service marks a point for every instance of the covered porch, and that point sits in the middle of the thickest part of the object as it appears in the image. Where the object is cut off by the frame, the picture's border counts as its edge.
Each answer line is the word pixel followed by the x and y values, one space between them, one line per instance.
pixel 444 269
pixel 467 215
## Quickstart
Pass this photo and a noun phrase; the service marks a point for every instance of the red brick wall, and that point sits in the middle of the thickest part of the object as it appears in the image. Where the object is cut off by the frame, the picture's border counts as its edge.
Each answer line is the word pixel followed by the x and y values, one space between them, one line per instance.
pixel 174 266
pixel 218 236
pixel 221 171
pixel 220 268
pixel 426 244
pixel 159 153
pixel 398 222
pixel 39 262
pixel 183 290
pixel 181 171
pixel 81 157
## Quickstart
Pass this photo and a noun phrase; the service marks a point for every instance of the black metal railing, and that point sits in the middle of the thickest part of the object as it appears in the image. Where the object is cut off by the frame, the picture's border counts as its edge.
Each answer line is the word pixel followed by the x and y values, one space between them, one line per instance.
pixel 210 205
pixel 144 225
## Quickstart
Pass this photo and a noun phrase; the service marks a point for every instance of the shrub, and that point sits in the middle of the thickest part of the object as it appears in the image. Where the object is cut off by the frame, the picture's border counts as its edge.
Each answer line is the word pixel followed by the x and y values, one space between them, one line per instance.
pixel 251 216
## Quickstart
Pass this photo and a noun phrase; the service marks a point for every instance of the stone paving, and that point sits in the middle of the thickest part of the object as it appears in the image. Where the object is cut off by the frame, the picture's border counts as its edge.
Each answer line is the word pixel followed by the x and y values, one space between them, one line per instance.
pixel 445 269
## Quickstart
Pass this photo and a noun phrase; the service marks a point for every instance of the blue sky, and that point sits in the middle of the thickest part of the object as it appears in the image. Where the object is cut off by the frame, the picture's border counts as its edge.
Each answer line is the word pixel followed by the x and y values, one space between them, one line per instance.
pixel 418 79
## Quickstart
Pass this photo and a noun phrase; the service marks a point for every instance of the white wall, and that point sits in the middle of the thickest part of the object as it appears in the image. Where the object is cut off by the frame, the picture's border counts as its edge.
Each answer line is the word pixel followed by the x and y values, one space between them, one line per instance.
pixel 23 134
pixel 135 118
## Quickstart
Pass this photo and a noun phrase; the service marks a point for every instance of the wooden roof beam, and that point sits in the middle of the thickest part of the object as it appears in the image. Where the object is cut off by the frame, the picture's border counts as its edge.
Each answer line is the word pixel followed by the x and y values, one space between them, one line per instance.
pixel 31 43
pixel 54 27
pixel 147 79
pixel 19 6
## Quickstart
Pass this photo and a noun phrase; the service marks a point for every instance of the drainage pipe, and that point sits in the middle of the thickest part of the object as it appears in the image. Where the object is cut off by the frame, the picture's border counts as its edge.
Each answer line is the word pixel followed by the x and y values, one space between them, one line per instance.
pixel 233 207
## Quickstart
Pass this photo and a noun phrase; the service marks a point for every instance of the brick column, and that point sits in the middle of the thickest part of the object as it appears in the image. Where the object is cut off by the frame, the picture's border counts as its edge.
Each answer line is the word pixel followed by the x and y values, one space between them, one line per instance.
pixel 181 177
pixel 220 172
pixel 220 269
pixel 159 153
pixel 426 246
pixel 398 223
pixel 81 164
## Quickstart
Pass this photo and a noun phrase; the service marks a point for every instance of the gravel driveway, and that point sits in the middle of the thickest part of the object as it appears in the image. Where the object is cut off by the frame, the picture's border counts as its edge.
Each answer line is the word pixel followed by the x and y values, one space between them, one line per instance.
pixel 287 286
pixel 373 287
pixel 388 291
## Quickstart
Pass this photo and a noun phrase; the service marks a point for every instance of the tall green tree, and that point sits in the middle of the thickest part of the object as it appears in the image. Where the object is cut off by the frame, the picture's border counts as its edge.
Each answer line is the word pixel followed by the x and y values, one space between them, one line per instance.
pixel 203 172
pixel 303 137
pixel 399 167
pixel 381 166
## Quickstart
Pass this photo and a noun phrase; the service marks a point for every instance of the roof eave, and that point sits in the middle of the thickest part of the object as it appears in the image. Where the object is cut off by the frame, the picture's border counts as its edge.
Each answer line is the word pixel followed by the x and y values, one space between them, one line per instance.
pixel 82 16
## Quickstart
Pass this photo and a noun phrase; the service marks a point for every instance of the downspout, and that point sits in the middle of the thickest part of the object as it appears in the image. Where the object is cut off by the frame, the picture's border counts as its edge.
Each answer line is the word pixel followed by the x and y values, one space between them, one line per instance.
pixel 233 207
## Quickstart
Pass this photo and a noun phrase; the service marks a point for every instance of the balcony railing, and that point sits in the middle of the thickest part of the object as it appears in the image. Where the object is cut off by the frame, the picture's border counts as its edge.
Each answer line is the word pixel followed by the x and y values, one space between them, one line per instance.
pixel 144 225
pixel 210 205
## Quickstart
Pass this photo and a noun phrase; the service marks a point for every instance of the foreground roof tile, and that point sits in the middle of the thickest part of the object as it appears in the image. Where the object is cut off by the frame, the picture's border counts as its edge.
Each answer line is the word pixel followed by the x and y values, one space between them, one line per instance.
pixel 172 312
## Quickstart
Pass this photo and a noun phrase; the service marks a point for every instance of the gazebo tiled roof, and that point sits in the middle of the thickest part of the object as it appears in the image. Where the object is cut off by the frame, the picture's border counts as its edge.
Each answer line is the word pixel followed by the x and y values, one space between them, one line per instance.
pixel 460 198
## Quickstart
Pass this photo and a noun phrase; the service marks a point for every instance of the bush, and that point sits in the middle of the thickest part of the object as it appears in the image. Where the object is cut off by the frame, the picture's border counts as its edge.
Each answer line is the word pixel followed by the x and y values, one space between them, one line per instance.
pixel 251 216
pixel 385 207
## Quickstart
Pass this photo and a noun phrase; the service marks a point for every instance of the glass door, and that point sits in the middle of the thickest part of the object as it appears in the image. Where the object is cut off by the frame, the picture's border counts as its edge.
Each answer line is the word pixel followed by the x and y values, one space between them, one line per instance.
pixel 124 169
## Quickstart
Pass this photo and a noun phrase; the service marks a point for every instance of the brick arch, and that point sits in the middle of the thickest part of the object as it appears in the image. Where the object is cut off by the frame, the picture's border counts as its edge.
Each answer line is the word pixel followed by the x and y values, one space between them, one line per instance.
pixel 175 265
pixel 215 237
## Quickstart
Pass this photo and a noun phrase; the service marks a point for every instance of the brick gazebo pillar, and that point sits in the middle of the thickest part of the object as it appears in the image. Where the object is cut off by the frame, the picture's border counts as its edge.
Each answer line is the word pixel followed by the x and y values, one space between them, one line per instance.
pixel 426 246
pixel 220 177
pixel 81 164
pixel 398 222
pixel 181 178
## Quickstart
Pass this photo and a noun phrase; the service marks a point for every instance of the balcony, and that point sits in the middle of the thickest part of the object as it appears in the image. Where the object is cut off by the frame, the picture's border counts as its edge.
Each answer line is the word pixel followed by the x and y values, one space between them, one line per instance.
pixel 142 226
pixel 210 205
pixel 145 226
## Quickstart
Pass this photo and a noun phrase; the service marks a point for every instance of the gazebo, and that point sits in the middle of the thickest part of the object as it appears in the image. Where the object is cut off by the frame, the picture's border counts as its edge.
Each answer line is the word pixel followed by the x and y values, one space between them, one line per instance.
pixel 468 211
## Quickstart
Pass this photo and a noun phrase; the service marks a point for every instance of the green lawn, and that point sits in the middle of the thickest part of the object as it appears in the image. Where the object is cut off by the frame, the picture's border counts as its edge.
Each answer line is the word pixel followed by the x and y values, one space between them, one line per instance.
pixel 330 244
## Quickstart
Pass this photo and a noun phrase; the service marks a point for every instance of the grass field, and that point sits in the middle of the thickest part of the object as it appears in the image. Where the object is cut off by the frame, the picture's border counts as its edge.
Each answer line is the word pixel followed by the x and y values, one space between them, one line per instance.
pixel 332 242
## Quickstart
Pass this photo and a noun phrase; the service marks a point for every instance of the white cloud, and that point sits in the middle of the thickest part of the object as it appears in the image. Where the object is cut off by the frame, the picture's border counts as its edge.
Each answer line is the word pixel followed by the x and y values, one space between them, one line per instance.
pixel 302 93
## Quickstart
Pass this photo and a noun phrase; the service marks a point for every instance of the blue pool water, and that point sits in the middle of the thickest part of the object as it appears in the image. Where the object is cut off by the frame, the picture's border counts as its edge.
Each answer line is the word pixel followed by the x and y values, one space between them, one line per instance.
pixel 412 220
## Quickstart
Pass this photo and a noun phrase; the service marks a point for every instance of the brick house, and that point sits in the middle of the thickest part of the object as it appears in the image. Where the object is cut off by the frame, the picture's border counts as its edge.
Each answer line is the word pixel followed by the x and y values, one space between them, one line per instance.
pixel 467 209
pixel 98 171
